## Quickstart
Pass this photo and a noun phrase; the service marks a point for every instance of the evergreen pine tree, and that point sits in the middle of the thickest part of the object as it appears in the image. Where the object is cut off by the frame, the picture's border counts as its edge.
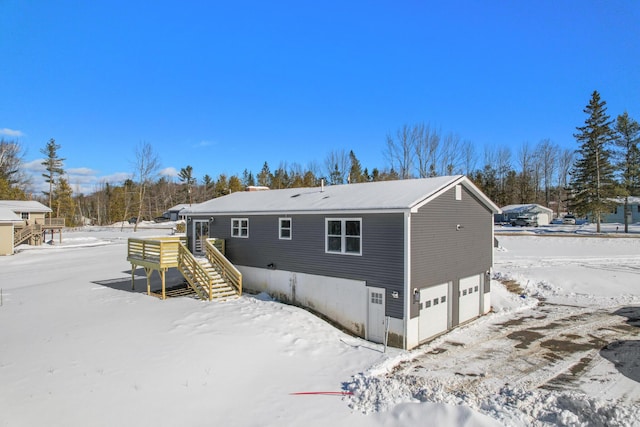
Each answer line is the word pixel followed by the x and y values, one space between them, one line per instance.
pixel 627 142
pixel 53 166
pixel 264 177
pixel 592 181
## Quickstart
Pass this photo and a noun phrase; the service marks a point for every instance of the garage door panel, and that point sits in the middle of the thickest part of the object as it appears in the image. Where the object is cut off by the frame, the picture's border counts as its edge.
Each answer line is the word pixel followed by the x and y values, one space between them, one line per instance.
pixel 469 298
pixel 434 303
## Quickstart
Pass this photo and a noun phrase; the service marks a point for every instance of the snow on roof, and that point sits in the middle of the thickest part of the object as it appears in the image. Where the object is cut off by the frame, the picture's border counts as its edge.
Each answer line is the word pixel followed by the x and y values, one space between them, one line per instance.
pixel 531 207
pixel 381 195
pixel 7 215
pixel 179 207
pixel 24 206
pixel 631 199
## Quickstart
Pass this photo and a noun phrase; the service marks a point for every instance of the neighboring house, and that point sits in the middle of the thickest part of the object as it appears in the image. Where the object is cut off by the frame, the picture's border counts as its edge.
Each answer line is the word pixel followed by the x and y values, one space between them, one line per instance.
pixel 8 221
pixel 175 213
pixel 539 213
pixel 617 213
pixel 404 260
pixel 30 211
pixel 33 223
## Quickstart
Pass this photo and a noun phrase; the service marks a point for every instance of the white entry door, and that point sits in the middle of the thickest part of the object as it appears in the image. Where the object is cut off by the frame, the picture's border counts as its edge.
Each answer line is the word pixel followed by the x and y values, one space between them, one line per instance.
pixel 469 298
pixel 375 314
pixel 200 233
pixel 434 311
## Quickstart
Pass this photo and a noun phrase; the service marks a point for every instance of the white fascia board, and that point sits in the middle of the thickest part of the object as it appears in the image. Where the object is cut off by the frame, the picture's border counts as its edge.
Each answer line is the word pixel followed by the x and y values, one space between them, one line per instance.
pixel 463 180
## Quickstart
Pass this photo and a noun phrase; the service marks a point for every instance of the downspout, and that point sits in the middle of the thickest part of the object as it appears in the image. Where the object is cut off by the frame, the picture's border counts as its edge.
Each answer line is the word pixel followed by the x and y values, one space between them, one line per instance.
pixel 407 277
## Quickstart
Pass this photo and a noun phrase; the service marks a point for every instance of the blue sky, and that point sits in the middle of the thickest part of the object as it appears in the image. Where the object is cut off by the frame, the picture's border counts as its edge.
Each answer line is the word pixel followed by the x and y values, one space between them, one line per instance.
pixel 226 86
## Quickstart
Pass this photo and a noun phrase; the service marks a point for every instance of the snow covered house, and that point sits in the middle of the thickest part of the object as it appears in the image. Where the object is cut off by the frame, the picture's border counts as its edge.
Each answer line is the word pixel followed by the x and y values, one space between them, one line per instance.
pixel 175 213
pixel 394 261
pixel 33 222
pixel 541 214
pixel 617 214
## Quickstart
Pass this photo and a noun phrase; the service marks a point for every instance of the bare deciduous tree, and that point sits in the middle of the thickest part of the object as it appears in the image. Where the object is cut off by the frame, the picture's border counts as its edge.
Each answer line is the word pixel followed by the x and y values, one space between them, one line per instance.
pixel 400 151
pixel 426 141
pixel 337 165
pixel 146 167
pixel 546 153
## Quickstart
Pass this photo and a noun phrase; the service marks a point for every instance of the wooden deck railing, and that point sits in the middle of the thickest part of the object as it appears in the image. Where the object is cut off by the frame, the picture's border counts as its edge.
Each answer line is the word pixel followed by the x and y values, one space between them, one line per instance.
pixel 194 272
pixel 160 252
pixel 22 234
pixel 51 222
pixel 227 270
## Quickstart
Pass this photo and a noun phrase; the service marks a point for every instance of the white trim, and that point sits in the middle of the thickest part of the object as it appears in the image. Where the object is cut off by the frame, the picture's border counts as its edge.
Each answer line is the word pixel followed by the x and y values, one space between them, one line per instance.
pixel 407 277
pixel 343 236
pixel 240 227
pixel 468 185
pixel 280 228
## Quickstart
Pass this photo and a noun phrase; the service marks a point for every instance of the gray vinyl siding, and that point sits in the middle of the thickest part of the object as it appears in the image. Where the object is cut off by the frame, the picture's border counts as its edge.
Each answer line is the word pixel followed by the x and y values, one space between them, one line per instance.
pixel 439 252
pixel 381 263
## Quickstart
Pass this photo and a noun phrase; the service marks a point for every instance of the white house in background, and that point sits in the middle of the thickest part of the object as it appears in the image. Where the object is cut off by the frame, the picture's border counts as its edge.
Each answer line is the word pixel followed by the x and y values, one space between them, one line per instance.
pixel 8 221
pixel 541 214
pixel 617 214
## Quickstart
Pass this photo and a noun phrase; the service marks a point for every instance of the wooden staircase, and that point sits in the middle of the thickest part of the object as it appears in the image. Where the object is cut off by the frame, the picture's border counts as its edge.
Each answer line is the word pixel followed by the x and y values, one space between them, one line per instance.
pixel 25 234
pixel 210 277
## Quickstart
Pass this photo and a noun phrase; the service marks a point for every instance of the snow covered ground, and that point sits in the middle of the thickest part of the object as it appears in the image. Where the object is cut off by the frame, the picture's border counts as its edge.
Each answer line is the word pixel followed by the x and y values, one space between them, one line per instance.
pixel 79 347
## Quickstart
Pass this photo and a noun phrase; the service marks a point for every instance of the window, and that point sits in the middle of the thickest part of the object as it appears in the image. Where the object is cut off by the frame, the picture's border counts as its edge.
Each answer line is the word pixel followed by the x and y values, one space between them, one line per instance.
pixel 443 299
pixel 427 304
pixel 435 301
pixel 240 227
pixel 284 228
pixel 344 236
pixel 24 215
pixel 376 298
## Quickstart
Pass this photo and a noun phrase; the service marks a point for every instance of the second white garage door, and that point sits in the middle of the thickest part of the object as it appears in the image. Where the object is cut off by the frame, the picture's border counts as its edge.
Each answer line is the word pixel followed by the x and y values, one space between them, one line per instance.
pixel 469 298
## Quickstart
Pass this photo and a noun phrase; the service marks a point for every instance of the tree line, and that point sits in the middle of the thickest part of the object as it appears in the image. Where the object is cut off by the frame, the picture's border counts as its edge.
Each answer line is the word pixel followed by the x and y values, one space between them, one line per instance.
pixel 605 165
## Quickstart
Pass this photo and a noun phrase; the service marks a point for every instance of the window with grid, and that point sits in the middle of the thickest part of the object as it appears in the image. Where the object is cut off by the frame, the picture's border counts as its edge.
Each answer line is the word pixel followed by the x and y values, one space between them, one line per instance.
pixel 240 227
pixel 285 228
pixel 344 236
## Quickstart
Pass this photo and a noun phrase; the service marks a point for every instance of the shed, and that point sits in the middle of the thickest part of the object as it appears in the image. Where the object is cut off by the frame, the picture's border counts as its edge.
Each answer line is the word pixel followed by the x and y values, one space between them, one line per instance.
pixel 393 261
pixel 8 220
pixel 541 214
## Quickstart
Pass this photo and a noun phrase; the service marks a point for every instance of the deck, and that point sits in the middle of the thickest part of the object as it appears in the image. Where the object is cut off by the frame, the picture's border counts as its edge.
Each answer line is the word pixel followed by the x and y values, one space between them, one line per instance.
pixel 162 253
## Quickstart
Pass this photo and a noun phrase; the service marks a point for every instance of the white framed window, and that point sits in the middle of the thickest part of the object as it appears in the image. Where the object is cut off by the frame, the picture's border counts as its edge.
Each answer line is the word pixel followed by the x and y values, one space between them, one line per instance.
pixel 285 227
pixel 344 236
pixel 240 227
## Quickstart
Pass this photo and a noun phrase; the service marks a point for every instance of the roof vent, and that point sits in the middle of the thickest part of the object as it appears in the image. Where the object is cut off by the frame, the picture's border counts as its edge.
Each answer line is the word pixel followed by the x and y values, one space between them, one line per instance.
pixel 295 195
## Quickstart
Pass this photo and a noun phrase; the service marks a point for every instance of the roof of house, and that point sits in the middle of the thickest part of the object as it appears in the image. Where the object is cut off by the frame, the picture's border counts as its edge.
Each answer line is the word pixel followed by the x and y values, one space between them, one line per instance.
pixel 178 208
pixel 630 199
pixel 24 206
pixel 531 207
pixel 7 215
pixel 398 195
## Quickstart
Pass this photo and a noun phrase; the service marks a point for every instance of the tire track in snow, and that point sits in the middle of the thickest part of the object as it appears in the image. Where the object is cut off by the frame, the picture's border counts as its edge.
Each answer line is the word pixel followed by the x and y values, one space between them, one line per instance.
pixel 532 364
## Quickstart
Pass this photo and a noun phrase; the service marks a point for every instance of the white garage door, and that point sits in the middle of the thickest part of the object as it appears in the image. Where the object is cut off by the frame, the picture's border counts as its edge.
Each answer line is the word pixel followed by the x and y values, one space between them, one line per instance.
pixel 469 298
pixel 434 303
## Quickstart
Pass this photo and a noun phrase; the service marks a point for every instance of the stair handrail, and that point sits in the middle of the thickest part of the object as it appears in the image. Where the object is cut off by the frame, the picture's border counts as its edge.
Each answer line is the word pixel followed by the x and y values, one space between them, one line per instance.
pixel 200 277
pixel 26 232
pixel 227 270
